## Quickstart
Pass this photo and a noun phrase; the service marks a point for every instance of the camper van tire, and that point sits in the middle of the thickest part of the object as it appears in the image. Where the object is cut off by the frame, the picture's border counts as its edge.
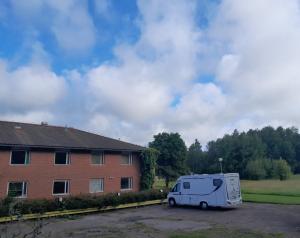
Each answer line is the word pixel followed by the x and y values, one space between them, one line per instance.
pixel 203 205
pixel 172 202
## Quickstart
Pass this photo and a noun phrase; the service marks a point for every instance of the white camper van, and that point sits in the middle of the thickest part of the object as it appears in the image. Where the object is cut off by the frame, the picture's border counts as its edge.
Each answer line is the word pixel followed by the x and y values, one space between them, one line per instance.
pixel 218 190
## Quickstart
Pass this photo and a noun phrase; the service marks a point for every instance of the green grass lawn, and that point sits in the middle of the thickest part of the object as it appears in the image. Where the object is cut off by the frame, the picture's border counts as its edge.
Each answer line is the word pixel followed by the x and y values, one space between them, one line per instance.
pixel 264 191
pixel 272 191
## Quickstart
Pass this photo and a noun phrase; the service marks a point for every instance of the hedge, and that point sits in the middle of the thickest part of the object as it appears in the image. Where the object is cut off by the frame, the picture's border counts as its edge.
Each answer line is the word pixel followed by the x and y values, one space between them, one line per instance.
pixel 10 206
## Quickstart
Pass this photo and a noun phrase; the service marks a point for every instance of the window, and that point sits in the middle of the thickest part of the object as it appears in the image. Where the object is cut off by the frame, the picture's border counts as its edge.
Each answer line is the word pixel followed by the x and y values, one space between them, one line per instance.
pixel 126 183
pixel 186 185
pixel 19 157
pixel 126 159
pixel 176 188
pixel 97 158
pixel 96 185
pixel 62 158
pixel 217 182
pixel 17 189
pixel 61 187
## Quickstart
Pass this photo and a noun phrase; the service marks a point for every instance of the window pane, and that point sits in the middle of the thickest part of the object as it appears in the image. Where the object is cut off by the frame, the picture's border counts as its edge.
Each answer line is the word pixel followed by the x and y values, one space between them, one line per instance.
pixel 125 159
pixel 15 189
pixel 96 185
pixel 61 158
pixel 126 183
pixel 97 158
pixel 59 187
pixel 186 185
pixel 18 157
pixel 176 188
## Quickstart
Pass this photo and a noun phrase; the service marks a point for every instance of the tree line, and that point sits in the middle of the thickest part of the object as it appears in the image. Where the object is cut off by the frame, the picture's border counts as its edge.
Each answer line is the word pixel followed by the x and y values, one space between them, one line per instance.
pixel 255 154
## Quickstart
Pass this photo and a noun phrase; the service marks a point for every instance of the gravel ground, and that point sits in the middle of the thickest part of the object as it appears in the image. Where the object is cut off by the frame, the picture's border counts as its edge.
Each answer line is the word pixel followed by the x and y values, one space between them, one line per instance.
pixel 160 221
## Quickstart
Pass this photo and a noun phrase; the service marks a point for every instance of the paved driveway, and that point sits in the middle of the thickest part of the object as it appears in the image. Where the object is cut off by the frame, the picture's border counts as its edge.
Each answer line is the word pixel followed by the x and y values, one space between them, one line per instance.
pixel 160 221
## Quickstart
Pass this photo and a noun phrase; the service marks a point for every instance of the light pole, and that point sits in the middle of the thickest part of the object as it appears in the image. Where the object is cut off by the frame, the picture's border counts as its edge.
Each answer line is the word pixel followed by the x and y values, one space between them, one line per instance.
pixel 221 160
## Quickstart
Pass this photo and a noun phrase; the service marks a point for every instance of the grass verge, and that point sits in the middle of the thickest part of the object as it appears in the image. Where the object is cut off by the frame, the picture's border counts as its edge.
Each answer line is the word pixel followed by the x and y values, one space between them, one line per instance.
pixel 268 198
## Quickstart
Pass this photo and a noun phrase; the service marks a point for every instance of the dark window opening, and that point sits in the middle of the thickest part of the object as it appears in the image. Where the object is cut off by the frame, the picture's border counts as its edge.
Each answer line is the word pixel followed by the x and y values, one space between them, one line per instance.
pixel 62 158
pixel 19 157
pixel 126 183
pixel 186 185
pixel 61 187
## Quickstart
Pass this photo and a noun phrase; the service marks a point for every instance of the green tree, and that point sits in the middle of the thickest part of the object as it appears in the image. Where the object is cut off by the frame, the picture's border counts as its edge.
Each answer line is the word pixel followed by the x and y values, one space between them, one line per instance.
pixel 195 160
pixel 171 161
pixel 148 164
pixel 255 169
pixel 282 169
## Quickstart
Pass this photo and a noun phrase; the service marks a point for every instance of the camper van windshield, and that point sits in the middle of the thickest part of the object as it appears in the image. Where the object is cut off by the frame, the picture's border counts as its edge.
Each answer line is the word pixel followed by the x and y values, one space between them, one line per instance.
pixel 176 188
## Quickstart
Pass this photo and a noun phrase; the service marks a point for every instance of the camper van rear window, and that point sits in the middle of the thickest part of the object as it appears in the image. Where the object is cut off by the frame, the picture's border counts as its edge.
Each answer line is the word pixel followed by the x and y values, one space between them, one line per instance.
pixel 186 185
pixel 217 182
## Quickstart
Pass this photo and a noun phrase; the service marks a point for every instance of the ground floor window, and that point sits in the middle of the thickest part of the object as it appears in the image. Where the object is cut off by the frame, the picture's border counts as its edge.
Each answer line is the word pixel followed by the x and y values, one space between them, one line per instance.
pixel 126 183
pixel 17 189
pixel 61 187
pixel 96 185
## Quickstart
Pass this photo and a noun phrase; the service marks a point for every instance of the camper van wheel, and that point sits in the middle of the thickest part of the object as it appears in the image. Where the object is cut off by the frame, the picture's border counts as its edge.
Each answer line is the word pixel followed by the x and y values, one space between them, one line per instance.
pixel 203 205
pixel 172 202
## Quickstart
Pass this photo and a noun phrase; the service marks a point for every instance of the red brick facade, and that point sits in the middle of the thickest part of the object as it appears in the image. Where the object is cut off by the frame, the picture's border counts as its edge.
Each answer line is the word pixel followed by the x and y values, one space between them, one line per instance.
pixel 41 172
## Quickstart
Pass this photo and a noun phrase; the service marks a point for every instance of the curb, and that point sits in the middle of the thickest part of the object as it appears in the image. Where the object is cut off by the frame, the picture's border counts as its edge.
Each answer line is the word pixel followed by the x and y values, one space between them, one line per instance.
pixel 79 211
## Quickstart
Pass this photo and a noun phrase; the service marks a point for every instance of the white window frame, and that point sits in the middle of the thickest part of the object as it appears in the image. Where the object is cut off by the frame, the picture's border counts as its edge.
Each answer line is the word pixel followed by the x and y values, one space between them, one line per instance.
pixel 130 183
pixel 66 182
pixel 94 179
pixel 24 195
pixel 130 159
pixel 102 159
pixel 27 153
pixel 68 158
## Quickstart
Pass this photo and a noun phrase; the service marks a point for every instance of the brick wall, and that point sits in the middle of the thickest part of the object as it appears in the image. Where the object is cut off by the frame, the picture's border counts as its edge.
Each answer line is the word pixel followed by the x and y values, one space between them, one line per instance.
pixel 41 172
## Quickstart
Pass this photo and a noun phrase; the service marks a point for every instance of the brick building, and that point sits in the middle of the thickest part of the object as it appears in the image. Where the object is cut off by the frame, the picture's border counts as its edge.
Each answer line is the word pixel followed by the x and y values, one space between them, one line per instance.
pixel 43 161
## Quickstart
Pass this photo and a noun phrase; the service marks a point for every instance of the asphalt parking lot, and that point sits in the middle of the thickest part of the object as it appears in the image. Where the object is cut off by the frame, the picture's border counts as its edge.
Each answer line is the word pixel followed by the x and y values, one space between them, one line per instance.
pixel 161 221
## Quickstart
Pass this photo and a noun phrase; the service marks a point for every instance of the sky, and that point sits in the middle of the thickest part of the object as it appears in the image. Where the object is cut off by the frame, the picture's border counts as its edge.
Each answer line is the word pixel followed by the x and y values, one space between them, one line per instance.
pixel 131 69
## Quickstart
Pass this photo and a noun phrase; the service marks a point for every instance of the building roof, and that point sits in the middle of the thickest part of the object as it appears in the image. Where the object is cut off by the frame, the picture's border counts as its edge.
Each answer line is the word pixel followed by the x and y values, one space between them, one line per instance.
pixel 46 136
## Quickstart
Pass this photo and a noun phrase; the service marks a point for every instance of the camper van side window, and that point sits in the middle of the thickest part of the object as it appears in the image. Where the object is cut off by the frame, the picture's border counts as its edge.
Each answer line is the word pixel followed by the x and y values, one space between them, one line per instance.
pixel 176 188
pixel 186 185
pixel 217 182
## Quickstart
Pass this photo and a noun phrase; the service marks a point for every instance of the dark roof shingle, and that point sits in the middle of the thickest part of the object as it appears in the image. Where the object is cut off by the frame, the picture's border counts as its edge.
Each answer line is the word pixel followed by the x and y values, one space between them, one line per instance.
pixel 34 135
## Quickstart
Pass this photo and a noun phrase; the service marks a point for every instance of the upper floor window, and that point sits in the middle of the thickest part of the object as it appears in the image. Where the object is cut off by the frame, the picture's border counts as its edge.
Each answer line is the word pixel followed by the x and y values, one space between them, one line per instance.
pixel 62 158
pixel 17 189
pixel 126 158
pixel 97 158
pixel 19 157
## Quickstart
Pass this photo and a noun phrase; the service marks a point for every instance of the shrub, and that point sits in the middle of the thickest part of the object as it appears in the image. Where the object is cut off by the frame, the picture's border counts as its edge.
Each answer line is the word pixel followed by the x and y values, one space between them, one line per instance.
pixel 255 169
pixel 77 202
pixel 282 170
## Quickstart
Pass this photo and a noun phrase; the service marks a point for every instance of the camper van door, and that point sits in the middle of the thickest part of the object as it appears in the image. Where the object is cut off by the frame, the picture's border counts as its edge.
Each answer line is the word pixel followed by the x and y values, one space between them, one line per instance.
pixel 176 193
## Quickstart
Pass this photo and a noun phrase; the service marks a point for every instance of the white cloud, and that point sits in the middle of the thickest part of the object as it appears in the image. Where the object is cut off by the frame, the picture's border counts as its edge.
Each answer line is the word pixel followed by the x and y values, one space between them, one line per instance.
pixel 153 84
pixel 255 56
pixel 30 117
pixel 139 87
pixel 29 87
pixel 68 20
